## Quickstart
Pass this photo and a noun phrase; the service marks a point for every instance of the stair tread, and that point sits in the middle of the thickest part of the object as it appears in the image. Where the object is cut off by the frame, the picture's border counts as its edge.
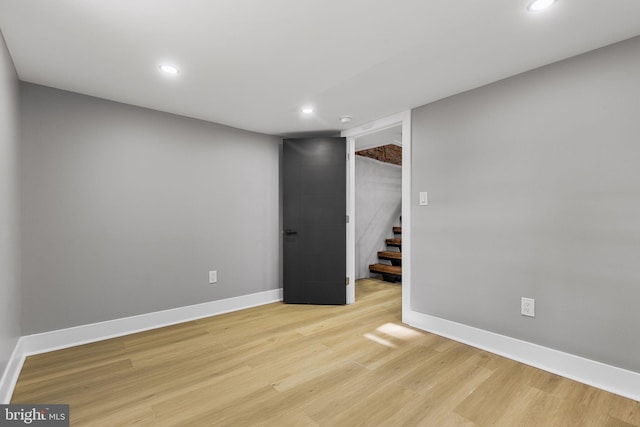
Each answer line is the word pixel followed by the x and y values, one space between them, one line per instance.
pixel 397 230
pixel 390 255
pixel 394 242
pixel 384 268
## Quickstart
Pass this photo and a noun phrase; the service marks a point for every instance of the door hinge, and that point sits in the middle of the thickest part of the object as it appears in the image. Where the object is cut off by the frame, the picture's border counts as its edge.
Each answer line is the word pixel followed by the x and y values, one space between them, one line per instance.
pixel 346 281
pixel 347 219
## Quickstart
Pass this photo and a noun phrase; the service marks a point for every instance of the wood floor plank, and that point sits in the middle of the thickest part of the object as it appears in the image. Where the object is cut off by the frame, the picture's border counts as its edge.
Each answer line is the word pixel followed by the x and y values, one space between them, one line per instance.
pixel 73 383
pixel 65 362
pixel 378 408
pixel 304 365
pixel 140 416
pixel 436 406
pixel 430 372
pixel 492 398
pixel 207 401
pixel 626 410
pixel 614 422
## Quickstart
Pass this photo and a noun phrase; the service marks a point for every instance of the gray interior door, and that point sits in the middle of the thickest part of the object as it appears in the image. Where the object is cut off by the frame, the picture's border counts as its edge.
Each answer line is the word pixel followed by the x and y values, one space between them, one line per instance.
pixel 314 219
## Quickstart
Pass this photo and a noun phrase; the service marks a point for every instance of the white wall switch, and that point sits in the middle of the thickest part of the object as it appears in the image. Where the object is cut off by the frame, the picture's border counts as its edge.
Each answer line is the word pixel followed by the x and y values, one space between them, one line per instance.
pixel 423 198
pixel 528 307
pixel 213 276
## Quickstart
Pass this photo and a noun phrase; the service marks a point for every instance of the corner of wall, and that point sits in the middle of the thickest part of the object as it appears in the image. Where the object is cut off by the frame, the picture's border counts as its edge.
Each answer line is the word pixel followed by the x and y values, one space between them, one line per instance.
pixel 11 373
pixel 10 290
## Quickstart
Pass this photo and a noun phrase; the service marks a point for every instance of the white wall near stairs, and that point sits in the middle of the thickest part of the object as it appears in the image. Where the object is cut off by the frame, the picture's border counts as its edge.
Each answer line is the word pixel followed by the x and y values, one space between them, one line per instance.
pixel 378 193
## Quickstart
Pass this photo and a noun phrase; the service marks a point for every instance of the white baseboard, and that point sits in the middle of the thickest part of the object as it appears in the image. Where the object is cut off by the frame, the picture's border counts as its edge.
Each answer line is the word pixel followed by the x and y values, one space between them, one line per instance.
pixel 606 377
pixel 63 338
pixel 610 378
pixel 11 373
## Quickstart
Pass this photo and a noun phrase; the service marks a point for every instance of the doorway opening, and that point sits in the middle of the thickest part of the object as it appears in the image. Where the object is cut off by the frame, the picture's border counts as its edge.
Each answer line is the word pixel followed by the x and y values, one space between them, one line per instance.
pixel 393 130
pixel 378 205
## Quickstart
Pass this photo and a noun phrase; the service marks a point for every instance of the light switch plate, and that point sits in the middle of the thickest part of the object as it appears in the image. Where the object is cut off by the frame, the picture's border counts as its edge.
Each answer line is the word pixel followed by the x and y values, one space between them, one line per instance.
pixel 213 276
pixel 423 198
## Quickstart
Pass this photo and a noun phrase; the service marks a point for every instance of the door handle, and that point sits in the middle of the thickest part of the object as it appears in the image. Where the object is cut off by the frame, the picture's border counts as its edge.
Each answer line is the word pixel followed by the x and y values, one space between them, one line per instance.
pixel 289 232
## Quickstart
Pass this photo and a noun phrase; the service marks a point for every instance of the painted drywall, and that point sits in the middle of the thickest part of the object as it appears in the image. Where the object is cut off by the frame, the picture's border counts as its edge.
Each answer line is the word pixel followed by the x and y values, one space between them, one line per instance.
pixel 125 210
pixel 9 207
pixel 534 191
pixel 378 194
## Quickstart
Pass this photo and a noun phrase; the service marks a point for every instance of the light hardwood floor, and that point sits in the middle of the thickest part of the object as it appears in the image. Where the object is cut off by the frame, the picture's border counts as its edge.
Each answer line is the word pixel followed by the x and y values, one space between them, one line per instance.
pixel 297 365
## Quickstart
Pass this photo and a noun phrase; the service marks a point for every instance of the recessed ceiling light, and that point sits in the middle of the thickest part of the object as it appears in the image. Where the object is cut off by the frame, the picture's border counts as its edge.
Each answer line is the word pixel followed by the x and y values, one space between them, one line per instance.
pixel 346 119
pixel 307 110
pixel 540 5
pixel 169 69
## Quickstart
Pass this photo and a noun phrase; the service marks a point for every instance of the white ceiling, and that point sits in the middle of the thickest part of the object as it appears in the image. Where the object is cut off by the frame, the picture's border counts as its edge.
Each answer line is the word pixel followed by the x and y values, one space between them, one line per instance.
pixel 253 64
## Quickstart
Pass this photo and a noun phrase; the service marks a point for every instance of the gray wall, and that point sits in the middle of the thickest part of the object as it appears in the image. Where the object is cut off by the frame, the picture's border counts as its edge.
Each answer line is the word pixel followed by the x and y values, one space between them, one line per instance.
pixel 534 190
pixel 9 208
pixel 125 210
pixel 378 193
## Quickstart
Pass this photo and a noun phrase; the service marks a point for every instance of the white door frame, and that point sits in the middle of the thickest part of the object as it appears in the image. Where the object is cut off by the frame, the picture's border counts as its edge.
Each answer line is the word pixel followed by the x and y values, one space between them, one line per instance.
pixel 404 119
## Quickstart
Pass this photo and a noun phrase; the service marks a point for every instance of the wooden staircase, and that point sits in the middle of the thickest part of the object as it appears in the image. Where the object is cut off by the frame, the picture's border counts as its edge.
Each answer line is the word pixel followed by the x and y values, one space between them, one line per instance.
pixel 392 270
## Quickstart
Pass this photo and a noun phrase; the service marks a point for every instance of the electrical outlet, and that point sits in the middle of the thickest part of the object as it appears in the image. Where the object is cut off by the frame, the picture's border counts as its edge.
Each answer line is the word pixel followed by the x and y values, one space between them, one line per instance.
pixel 528 307
pixel 213 276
